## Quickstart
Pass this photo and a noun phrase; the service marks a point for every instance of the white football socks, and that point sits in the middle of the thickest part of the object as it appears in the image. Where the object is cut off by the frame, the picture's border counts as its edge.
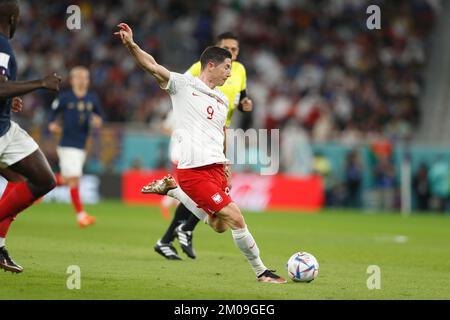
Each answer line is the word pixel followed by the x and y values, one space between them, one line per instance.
pixel 181 196
pixel 245 242
pixel 2 242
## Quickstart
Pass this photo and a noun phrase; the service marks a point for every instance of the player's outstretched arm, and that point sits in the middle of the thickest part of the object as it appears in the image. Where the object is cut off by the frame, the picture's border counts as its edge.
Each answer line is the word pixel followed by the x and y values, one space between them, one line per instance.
pixel 10 89
pixel 145 60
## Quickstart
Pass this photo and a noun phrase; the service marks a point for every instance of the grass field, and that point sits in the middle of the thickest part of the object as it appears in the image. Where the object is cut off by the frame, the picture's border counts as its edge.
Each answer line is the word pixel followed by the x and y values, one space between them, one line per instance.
pixel 117 260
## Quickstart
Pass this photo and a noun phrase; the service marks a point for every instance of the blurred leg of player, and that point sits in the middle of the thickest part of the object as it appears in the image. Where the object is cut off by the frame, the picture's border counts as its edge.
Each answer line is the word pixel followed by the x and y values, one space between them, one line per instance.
pixel 13 179
pixel 71 161
pixel 165 205
pixel 187 207
pixel 164 245
pixel 190 224
pixel 191 213
pixel 185 233
pixel 40 180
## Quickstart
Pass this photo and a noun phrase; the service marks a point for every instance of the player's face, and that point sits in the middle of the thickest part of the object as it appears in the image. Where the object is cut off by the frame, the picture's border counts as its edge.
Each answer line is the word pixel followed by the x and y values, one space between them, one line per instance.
pixel 232 46
pixel 80 80
pixel 222 72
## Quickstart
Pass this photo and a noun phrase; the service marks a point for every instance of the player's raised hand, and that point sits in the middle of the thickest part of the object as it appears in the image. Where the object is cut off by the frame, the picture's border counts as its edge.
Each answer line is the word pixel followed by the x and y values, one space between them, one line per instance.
pixel 54 128
pixel 125 33
pixel 51 82
pixel 247 104
pixel 17 104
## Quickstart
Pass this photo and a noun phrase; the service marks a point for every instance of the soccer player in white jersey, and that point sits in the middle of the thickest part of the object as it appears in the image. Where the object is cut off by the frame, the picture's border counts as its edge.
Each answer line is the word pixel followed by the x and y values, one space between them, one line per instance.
pixel 201 110
pixel 183 222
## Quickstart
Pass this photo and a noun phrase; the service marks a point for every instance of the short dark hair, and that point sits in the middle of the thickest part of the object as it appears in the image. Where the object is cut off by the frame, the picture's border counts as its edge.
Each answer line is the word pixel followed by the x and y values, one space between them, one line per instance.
pixel 227 35
pixel 214 54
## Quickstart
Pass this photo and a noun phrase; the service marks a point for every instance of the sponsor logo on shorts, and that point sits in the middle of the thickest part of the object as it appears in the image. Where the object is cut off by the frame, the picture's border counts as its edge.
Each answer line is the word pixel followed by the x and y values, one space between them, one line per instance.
pixel 217 198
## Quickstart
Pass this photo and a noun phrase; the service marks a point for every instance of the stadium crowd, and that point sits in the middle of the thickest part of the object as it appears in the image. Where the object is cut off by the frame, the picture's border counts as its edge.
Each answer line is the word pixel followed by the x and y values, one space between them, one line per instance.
pixel 315 70
pixel 312 61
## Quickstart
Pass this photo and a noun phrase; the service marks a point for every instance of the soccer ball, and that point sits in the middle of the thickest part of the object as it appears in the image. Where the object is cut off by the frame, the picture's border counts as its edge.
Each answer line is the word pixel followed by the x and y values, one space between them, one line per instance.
pixel 302 267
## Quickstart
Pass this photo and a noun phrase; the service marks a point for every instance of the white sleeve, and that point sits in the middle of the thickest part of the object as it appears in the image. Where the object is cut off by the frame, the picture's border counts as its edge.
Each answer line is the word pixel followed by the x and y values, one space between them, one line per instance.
pixel 176 82
pixel 4 64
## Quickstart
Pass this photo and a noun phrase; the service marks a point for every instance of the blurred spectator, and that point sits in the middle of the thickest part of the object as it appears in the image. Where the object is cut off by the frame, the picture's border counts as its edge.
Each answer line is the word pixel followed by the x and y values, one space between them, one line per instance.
pixel 322 167
pixel 296 153
pixel 385 183
pixel 312 60
pixel 439 184
pixel 421 187
pixel 353 178
pixel 314 69
pixel 136 164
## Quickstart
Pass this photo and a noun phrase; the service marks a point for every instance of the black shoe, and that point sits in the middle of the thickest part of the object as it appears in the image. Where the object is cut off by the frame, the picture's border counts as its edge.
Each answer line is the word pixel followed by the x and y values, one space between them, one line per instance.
pixel 270 277
pixel 185 239
pixel 8 264
pixel 167 250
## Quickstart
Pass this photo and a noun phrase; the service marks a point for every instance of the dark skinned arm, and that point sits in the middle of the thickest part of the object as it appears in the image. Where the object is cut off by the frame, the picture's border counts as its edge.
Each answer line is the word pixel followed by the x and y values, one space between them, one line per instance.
pixel 11 89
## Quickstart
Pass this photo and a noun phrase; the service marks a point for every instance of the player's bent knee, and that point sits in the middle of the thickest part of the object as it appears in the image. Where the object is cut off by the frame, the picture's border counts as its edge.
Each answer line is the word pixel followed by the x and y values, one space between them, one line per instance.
pixel 218 225
pixel 239 222
pixel 46 184
pixel 51 183
pixel 220 229
pixel 233 216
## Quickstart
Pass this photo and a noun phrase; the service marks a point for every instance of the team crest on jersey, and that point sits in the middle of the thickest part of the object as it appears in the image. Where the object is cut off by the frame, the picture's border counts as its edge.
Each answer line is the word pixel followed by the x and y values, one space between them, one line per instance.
pixel 80 106
pixel 217 198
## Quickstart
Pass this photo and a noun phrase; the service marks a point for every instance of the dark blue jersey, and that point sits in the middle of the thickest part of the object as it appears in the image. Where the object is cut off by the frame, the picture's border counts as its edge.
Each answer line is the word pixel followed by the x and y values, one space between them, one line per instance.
pixel 76 117
pixel 8 68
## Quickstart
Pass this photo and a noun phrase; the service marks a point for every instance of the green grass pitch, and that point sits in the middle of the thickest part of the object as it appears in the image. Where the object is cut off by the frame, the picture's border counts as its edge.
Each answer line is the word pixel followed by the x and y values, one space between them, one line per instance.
pixel 117 260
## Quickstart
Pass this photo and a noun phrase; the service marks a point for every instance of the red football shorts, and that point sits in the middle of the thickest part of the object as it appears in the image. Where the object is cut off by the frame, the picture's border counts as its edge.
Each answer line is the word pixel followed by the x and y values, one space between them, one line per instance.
pixel 206 185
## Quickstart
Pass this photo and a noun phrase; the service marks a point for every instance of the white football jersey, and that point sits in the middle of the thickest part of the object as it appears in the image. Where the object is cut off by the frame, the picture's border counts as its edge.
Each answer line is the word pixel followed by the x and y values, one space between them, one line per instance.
pixel 200 117
pixel 174 146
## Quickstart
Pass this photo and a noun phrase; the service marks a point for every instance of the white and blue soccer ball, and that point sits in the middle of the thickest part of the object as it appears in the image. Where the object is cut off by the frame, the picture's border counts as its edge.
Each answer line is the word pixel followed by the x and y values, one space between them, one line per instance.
pixel 302 267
